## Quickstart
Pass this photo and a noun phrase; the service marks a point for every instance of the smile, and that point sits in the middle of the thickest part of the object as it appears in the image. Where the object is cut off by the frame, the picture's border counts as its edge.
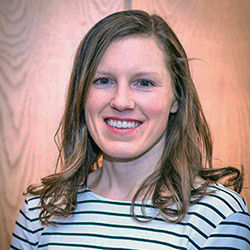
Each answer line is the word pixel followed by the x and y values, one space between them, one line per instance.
pixel 123 124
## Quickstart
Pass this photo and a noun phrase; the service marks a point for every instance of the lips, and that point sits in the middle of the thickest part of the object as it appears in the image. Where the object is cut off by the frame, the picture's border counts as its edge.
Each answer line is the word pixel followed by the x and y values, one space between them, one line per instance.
pixel 122 123
pixel 127 124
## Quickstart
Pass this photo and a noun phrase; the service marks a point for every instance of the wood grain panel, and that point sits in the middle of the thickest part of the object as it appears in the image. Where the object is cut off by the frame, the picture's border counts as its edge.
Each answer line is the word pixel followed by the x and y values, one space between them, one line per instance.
pixel 216 33
pixel 15 121
pixel 38 40
pixel 37 44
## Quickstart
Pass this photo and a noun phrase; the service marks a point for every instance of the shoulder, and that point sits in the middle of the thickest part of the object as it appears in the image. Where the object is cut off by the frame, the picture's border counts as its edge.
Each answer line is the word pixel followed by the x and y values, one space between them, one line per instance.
pixel 32 201
pixel 225 200
pixel 28 227
pixel 220 204
pixel 220 219
pixel 31 206
pixel 30 210
pixel 228 214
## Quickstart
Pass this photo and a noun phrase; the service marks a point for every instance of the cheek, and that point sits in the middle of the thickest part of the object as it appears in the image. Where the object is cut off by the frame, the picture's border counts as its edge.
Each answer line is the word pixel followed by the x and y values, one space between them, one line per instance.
pixel 159 108
pixel 91 108
pixel 93 104
pixel 158 114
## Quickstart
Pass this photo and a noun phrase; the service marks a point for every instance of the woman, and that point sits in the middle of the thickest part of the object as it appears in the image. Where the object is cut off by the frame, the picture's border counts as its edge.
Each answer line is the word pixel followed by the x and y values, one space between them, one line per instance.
pixel 131 101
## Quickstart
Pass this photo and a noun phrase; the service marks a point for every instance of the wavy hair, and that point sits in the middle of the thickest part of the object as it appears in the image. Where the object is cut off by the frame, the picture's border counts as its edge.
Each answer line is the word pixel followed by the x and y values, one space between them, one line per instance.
pixel 188 145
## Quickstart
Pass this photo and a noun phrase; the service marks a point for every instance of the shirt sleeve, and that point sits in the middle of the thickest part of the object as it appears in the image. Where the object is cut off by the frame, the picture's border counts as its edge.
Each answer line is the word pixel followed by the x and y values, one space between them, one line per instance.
pixel 231 233
pixel 25 236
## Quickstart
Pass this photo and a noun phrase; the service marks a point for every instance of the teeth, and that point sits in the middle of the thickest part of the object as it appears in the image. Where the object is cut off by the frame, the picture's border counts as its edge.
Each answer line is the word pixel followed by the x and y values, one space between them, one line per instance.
pixel 120 124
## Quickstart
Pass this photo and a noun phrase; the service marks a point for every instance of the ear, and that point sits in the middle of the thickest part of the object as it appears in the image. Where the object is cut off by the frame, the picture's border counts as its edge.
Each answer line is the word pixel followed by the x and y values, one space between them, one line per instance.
pixel 174 107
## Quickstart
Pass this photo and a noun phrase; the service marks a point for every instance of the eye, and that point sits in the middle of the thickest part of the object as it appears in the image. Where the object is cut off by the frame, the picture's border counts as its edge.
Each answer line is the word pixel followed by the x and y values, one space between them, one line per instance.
pixel 144 83
pixel 102 81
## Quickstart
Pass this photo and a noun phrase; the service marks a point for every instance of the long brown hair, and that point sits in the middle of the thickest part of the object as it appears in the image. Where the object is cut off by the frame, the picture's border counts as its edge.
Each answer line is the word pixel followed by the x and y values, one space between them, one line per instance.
pixel 188 146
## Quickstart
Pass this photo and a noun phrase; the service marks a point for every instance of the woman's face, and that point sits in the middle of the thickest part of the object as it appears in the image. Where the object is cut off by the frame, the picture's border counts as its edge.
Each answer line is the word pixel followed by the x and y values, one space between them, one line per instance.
pixel 130 99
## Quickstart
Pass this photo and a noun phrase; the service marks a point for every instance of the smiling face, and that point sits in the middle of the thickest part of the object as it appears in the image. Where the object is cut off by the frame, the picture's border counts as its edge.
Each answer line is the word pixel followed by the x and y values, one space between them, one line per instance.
pixel 130 99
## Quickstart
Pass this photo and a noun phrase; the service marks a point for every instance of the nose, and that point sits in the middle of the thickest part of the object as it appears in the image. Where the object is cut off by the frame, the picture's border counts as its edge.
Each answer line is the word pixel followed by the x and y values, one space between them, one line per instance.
pixel 123 98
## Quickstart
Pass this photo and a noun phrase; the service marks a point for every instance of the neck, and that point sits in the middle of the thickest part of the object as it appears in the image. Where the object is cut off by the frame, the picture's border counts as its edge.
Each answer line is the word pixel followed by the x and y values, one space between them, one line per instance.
pixel 119 179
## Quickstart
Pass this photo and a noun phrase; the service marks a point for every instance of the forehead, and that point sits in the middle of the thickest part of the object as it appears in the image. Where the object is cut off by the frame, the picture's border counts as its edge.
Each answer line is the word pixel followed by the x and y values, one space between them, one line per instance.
pixel 134 52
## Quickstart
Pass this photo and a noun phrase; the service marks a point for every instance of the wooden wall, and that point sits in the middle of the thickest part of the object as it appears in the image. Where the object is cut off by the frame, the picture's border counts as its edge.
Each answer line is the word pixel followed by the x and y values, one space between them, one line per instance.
pixel 37 44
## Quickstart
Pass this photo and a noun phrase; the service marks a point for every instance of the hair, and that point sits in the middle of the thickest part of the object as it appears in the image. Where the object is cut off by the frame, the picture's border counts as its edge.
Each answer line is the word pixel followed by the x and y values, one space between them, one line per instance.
pixel 188 145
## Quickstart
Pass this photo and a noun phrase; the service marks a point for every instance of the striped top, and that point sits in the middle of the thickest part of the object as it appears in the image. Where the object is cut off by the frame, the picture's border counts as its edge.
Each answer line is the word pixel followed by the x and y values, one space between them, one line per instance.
pixel 219 221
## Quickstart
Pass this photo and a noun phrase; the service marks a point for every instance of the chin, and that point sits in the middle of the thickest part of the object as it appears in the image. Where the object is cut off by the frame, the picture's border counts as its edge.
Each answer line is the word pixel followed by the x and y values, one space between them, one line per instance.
pixel 121 156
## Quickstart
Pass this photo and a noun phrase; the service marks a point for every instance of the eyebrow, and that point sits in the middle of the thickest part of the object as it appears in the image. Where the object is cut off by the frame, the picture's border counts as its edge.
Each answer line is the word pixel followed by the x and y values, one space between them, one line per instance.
pixel 137 74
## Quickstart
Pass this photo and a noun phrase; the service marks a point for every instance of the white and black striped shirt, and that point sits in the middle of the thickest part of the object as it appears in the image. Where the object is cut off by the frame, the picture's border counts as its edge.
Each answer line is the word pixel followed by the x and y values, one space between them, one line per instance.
pixel 219 221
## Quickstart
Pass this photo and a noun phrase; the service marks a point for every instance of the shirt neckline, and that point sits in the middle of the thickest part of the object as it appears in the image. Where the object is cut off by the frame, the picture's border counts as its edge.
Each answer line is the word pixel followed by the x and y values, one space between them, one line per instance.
pixel 100 197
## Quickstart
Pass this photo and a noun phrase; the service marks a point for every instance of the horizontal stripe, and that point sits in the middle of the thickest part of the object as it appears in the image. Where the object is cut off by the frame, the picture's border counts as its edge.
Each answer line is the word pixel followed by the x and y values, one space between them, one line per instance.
pixel 223 200
pixel 117 214
pixel 24 240
pixel 232 195
pixel 195 228
pixel 181 223
pixel 127 204
pixel 28 230
pixel 128 215
pixel 33 198
pixel 213 208
pixel 146 229
pixel 150 206
pixel 222 248
pixel 244 213
pixel 80 245
pixel 229 223
pixel 203 218
pixel 230 236
pixel 125 215
pixel 35 208
pixel 13 247
pixel 118 238
pixel 27 218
